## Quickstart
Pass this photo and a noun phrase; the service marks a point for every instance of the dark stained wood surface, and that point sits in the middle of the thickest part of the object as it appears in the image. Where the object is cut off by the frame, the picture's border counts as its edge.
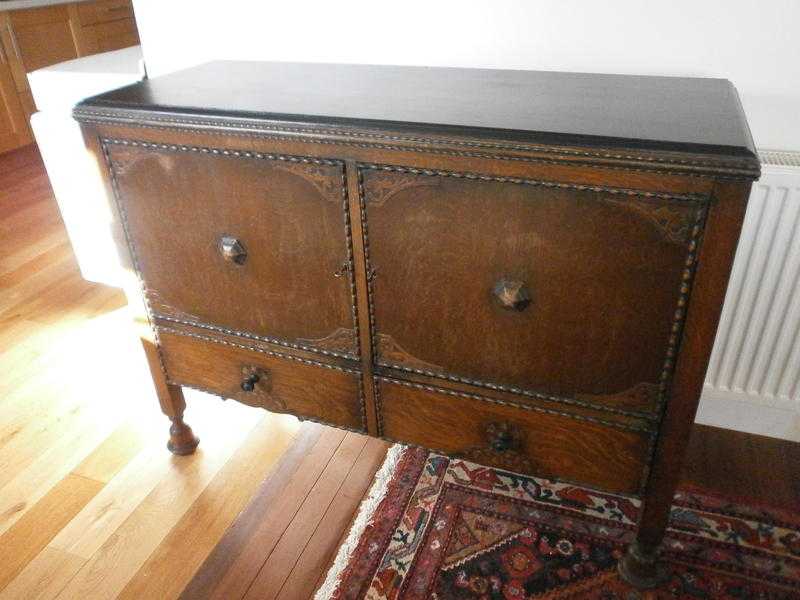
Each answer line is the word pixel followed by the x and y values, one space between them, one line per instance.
pixel 657 113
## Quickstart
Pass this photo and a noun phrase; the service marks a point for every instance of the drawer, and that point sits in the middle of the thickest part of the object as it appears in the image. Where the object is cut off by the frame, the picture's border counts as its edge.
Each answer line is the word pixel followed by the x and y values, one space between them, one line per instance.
pixel 523 440
pixel 252 243
pixel 276 382
pixel 556 289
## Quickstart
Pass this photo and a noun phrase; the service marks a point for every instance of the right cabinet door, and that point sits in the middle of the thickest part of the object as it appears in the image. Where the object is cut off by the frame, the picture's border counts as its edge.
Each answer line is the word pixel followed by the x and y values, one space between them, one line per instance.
pixel 548 289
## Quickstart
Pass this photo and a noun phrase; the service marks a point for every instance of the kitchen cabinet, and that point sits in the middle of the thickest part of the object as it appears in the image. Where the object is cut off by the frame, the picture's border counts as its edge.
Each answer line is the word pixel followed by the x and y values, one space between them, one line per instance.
pixel 32 38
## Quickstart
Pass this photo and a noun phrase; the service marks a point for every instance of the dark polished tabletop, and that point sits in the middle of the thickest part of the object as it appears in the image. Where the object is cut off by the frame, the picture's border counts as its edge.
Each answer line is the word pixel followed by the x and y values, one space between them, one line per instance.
pixel 642 112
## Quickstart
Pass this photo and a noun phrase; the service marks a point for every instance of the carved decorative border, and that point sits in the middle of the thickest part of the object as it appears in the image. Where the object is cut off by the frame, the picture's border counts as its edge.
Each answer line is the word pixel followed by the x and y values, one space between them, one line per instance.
pixel 305 361
pixel 678 317
pixel 667 163
pixel 105 142
pixel 251 336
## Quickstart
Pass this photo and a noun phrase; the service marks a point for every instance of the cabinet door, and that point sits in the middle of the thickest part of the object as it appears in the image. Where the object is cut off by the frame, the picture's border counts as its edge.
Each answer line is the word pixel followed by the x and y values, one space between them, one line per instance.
pixel 248 242
pixel 14 131
pixel 542 287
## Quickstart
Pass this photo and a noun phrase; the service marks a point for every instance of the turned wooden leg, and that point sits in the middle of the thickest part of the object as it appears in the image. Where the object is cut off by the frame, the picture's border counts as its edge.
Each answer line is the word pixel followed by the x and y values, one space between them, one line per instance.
pixel 182 440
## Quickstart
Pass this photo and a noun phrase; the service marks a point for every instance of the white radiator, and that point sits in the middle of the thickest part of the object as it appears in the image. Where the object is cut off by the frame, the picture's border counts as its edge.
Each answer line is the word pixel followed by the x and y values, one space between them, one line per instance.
pixel 753 379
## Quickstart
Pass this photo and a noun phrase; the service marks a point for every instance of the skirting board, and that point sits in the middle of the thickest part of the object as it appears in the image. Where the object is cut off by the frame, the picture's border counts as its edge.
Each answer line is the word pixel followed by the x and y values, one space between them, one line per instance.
pixel 743 412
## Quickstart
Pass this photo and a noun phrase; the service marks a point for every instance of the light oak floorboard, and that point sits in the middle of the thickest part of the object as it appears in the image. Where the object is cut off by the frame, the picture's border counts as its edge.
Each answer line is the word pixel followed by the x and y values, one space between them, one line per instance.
pixel 281 561
pixel 41 575
pixel 31 533
pixel 170 567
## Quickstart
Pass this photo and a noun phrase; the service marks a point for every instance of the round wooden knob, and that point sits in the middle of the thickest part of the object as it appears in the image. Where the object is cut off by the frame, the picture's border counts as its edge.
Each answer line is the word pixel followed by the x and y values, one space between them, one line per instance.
pixel 512 295
pixel 232 249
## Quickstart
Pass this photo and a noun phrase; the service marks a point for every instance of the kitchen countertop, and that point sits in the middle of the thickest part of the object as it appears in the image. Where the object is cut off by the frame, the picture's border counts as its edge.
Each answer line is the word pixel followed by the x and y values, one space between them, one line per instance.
pixel 23 4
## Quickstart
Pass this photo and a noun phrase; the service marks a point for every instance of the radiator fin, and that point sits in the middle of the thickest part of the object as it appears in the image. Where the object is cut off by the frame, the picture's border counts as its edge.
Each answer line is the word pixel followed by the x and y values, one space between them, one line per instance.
pixel 757 350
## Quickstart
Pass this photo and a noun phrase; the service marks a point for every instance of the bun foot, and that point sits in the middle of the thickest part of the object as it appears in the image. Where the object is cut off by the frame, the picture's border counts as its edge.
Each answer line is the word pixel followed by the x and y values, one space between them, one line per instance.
pixel 641 568
pixel 182 440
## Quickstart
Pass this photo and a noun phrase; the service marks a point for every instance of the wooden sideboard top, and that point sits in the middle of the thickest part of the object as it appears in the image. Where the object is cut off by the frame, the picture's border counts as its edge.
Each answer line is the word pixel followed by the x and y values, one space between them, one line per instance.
pixel 638 113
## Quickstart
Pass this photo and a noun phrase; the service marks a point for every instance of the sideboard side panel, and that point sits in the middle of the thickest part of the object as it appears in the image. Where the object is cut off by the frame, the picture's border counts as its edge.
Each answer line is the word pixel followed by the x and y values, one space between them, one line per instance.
pixel 717 249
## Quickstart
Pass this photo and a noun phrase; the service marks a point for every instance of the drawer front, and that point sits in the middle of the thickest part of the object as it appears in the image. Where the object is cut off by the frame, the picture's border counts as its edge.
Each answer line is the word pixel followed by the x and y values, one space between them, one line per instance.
pixel 510 437
pixel 252 243
pixel 555 289
pixel 272 381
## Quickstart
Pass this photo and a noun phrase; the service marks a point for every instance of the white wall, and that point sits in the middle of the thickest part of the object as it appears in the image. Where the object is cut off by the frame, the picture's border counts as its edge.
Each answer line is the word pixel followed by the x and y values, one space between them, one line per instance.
pixel 755 44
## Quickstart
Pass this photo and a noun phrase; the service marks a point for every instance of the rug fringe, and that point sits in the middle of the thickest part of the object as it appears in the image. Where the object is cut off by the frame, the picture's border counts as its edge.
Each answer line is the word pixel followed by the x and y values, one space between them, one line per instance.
pixel 365 513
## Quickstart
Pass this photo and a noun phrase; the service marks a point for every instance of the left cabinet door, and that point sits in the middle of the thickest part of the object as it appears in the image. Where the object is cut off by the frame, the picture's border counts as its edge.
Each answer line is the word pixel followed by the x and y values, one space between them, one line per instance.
pixel 240 241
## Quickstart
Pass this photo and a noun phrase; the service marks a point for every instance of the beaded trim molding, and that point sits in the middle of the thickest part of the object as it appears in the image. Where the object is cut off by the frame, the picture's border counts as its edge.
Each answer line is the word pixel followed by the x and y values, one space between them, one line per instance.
pixel 517 405
pixel 153 146
pixel 669 162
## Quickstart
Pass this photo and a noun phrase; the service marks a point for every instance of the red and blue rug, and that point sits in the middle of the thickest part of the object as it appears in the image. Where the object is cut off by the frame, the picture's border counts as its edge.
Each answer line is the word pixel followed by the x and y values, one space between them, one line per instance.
pixel 441 528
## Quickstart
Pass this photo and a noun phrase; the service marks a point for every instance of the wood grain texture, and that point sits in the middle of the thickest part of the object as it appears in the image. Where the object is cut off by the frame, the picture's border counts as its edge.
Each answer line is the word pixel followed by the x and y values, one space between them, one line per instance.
pixel 289 217
pixel 603 273
pixel 717 251
pixel 710 448
pixel 282 560
pixel 283 385
pixel 322 546
pixel 30 534
pixel 170 566
pixel 545 444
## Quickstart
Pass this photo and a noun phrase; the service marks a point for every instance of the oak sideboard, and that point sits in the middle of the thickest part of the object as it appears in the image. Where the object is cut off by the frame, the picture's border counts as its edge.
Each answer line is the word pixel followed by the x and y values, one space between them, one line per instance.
pixel 524 269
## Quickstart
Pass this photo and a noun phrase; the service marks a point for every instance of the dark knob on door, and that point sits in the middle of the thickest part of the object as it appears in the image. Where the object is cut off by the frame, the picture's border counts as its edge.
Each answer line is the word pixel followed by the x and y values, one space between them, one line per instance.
pixel 512 295
pixel 232 249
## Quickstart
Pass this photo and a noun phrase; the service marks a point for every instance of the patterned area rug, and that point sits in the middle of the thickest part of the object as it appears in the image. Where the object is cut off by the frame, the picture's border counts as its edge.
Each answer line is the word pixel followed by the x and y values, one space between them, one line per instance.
pixel 438 528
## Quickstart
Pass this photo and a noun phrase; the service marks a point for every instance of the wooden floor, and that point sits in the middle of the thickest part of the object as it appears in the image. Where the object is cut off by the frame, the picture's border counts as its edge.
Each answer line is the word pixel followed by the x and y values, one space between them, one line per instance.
pixel 93 506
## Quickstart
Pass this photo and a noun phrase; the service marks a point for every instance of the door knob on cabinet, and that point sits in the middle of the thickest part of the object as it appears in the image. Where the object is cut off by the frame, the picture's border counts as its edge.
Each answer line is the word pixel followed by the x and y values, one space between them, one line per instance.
pixel 232 249
pixel 512 295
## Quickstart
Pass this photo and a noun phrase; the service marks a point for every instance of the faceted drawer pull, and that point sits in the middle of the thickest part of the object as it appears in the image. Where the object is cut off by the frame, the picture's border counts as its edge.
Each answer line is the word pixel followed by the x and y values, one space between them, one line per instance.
pixel 502 436
pixel 512 295
pixel 232 249
pixel 249 383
